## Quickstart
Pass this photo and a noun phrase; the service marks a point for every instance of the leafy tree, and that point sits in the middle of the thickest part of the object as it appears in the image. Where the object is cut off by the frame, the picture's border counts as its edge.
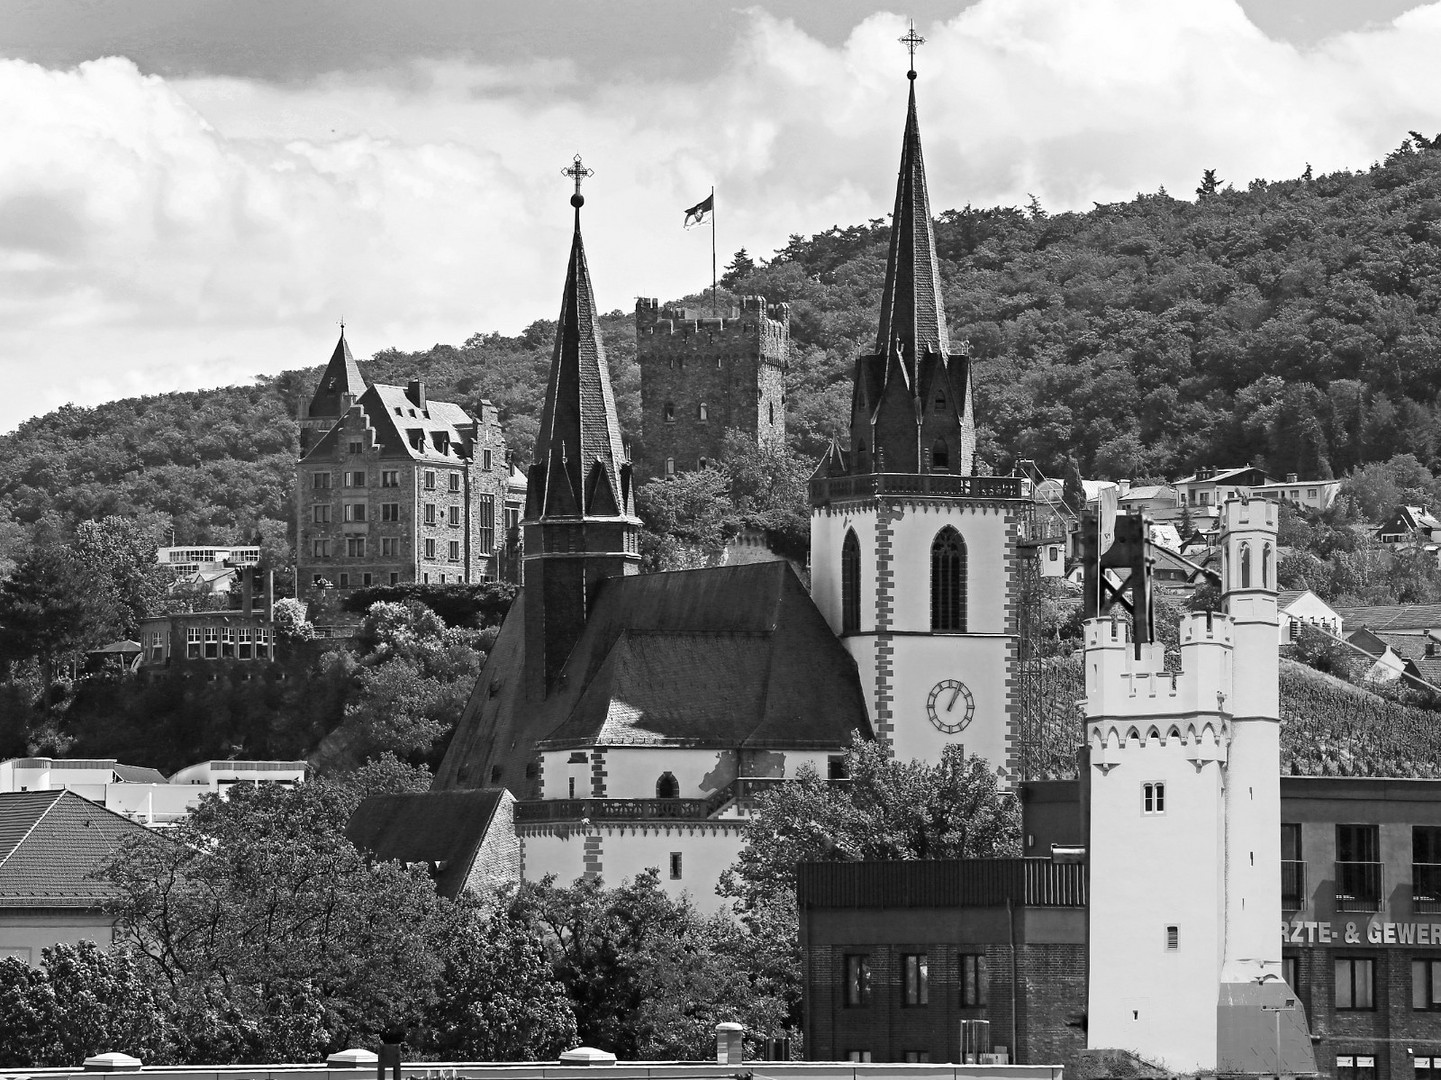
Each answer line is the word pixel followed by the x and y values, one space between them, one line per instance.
pixel 738 269
pixel 688 518
pixel 117 557
pixel 50 611
pixel 1210 185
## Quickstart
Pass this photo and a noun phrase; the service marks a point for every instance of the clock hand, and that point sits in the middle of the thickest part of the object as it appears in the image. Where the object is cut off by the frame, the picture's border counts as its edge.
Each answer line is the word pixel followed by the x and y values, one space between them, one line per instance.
pixel 954 694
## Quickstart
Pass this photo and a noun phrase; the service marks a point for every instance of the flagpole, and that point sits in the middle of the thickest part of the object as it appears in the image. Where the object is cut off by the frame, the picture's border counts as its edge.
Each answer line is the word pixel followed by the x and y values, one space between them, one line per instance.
pixel 713 301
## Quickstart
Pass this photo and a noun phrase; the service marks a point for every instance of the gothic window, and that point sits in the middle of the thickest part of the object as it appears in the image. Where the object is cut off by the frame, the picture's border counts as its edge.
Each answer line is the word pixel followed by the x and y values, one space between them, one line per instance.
pixel 670 412
pixel 1243 555
pixel 1266 566
pixel 850 584
pixel 940 455
pixel 702 413
pixel 667 787
pixel 948 581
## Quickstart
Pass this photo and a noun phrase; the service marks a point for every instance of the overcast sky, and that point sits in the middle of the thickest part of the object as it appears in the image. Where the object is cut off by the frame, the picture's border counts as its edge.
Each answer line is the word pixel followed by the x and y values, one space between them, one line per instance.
pixel 195 191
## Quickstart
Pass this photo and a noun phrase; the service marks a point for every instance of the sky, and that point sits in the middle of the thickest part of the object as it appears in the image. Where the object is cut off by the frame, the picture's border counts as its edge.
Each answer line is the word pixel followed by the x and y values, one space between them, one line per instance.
pixel 194 192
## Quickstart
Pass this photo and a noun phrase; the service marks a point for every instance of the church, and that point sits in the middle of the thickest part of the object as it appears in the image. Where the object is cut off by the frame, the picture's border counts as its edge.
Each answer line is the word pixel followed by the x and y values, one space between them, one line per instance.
pixel 633 717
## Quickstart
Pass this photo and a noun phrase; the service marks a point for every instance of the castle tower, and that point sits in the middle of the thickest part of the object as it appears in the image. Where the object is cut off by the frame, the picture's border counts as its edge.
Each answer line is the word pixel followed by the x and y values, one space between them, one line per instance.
pixel 702 376
pixel 340 387
pixel 580 524
pixel 914 560
pixel 1185 823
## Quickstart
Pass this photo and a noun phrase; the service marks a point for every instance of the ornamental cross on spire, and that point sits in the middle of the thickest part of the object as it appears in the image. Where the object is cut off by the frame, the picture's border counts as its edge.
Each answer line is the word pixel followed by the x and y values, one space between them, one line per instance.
pixel 579 172
pixel 912 41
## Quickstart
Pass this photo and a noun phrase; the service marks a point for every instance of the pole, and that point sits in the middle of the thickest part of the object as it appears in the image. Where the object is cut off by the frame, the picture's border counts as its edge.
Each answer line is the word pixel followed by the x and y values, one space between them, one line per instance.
pixel 714 313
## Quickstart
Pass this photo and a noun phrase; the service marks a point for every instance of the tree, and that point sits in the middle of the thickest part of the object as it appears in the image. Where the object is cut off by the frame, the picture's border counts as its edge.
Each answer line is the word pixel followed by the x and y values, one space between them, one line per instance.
pixel 688 518
pixel 269 932
pixel 1210 184
pixel 117 556
pixel 738 269
pixel 49 610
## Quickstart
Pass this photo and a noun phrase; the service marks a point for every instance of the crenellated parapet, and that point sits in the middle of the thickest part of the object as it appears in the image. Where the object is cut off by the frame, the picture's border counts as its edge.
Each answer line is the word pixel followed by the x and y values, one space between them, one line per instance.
pixel 1121 686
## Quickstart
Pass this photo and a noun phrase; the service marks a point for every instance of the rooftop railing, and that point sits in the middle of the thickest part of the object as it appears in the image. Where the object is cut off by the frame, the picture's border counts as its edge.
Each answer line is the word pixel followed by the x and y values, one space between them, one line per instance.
pixel 865 485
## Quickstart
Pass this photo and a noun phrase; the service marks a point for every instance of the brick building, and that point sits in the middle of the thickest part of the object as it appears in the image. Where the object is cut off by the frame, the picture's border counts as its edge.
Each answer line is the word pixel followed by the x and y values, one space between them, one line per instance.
pixel 398 488
pixel 701 376
pixel 903 961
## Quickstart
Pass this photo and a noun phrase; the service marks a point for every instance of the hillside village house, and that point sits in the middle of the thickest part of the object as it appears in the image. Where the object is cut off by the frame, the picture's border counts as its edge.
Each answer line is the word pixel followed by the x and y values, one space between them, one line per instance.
pixel 1410 526
pixel 1298 608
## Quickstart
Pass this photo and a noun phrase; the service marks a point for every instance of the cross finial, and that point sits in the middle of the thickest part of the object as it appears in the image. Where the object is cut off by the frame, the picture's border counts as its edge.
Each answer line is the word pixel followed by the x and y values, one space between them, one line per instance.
pixel 912 41
pixel 342 324
pixel 578 172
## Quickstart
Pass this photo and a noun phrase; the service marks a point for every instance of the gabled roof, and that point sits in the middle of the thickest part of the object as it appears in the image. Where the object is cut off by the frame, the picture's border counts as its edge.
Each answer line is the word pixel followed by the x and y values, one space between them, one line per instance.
pixel 1223 475
pixel 1392 617
pixel 340 383
pixel 444 829
pixel 435 431
pixel 581 468
pixel 1149 491
pixel 52 844
pixel 723 658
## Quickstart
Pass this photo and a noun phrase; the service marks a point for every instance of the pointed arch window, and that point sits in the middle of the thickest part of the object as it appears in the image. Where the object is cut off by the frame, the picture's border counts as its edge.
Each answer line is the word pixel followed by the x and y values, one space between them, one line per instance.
pixel 1266 566
pixel 670 412
pixel 948 581
pixel 667 787
pixel 1243 556
pixel 702 412
pixel 940 455
pixel 850 583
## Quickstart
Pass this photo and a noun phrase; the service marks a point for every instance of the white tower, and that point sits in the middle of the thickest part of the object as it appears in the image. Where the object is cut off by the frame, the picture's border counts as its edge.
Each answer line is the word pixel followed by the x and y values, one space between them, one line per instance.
pixel 1185 824
pixel 914 560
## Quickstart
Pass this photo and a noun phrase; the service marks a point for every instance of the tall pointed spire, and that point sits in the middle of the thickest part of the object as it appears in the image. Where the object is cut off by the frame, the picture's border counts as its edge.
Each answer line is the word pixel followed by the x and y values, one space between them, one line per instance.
pixel 580 523
pixel 580 463
pixel 911 407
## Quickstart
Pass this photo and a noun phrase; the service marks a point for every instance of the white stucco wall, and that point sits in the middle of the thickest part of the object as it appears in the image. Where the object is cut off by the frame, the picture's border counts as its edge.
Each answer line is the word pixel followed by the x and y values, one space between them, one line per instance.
pixel 618 852
pixel 24 934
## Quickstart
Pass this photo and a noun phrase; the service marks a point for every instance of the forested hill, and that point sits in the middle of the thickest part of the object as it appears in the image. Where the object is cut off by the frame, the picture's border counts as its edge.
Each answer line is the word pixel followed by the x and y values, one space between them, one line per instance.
pixel 1295 323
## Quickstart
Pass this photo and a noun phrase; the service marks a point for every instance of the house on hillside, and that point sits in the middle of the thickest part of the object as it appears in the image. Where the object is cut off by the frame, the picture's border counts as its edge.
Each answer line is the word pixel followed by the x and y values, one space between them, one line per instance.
pixel 1296 608
pixel 1410 526
pixel 1157 500
pixel 1207 488
pixel 53 845
pixel 1312 494
pixel 1389 665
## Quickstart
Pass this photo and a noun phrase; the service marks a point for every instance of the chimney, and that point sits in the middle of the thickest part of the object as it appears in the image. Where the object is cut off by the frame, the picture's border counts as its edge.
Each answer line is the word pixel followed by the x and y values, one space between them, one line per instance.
pixel 416 392
pixel 729 1045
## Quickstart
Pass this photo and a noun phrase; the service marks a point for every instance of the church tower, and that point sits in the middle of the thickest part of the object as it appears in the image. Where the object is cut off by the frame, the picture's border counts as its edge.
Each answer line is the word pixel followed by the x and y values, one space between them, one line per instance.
pixel 580 524
pixel 341 385
pixel 1185 830
pixel 915 560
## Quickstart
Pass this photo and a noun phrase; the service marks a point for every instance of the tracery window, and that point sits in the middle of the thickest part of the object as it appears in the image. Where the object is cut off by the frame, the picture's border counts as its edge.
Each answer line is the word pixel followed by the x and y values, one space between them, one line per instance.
pixel 850 583
pixel 667 787
pixel 948 581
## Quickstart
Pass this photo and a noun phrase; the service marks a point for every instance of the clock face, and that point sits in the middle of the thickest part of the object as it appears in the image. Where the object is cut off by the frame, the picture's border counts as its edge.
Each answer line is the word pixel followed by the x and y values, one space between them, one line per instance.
pixel 950 706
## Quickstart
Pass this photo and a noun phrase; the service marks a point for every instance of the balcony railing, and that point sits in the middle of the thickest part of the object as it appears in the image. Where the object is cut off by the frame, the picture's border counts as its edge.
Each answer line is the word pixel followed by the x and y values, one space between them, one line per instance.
pixel 866 485
pixel 1293 885
pixel 1358 886
pixel 1426 887
pixel 612 809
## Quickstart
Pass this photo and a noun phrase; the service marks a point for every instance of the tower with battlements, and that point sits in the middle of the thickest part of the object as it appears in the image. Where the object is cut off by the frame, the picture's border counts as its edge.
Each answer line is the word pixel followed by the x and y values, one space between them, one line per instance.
pixel 1185 827
pixel 702 375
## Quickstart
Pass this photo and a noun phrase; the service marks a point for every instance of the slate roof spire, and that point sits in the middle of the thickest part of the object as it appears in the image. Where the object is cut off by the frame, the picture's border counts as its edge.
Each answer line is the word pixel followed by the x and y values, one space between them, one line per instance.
pixel 340 384
pixel 581 467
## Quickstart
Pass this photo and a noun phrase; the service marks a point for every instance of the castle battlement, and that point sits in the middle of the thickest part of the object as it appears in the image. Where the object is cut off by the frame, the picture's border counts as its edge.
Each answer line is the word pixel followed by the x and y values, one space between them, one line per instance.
pixel 1120 687
pixel 756 326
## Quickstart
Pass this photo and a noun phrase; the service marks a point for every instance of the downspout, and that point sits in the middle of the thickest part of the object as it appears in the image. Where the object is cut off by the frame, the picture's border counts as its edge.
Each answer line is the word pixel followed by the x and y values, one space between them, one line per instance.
pixel 1011 918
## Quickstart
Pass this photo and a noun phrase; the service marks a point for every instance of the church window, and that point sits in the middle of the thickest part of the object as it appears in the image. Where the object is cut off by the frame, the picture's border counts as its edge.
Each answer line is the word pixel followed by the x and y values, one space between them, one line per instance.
pixel 1266 566
pixel 667 787
pixel 1243 556
pixel 940 455
pixel 948 582
pixel 670 412
pixel 850 584
pixel 702 412
pixel 675 866
pixel 1173 939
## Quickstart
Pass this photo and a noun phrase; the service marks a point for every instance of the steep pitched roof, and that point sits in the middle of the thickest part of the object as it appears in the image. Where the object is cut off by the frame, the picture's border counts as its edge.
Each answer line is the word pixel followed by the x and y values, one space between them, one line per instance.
pixel 52 844
pixel 442 828
pixel 726 657
pixel 341 379
pixel 437 431
pixel 1392 617
pixel 581 467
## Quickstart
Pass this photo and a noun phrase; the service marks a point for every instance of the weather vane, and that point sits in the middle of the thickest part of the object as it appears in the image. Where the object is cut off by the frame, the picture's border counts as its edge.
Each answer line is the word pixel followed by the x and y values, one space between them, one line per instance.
pixel 912 41
pixel 579 172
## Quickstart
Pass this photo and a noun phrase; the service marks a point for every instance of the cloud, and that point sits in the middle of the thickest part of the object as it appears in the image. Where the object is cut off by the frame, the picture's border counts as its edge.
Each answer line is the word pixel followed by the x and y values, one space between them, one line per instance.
pixel 161 234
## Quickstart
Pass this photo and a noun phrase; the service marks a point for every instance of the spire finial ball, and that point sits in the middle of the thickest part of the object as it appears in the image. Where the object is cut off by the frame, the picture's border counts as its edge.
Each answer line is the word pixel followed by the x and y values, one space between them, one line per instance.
pixel 911 74
pixel 577 200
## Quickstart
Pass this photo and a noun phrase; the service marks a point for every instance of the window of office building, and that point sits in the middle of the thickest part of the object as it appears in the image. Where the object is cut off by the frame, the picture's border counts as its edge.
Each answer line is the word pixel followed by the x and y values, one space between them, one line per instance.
pixel 1426 984
pixel 1293 868
pixel 915 979
pixel 1426 868
pixel 973 979
pixel 1358 868
pixel 1356 1067
pixel 192 643
pixel 857 989
pixel 212 643
pixel 320 549
pixel 1355 983
pixel 320 481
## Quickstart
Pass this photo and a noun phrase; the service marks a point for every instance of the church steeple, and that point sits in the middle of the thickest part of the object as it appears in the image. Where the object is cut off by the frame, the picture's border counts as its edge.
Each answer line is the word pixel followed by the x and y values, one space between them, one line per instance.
pixel 911 408
pixel 580 524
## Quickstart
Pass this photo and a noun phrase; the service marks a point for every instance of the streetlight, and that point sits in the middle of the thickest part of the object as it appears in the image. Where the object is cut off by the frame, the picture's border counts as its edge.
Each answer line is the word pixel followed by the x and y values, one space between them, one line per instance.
pixel 1276 1010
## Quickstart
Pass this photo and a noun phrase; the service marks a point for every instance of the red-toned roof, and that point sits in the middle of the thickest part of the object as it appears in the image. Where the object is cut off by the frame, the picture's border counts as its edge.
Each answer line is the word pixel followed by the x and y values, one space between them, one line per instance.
pixel 52 846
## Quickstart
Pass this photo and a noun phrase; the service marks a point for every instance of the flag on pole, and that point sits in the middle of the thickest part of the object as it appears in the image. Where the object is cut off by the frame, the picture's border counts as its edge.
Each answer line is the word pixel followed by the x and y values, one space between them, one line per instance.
pixel 696 215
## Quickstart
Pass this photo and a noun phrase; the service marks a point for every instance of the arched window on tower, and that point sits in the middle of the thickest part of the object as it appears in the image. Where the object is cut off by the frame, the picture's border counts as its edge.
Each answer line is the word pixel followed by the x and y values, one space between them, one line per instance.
pixel 772 408
pixel 1243 556
pixel 667 787
pixel 670 412
pixel 948 582
pixel 940 455
pixel 850 584
pixel 702 412
pixel 670 466
pixel 1266 566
